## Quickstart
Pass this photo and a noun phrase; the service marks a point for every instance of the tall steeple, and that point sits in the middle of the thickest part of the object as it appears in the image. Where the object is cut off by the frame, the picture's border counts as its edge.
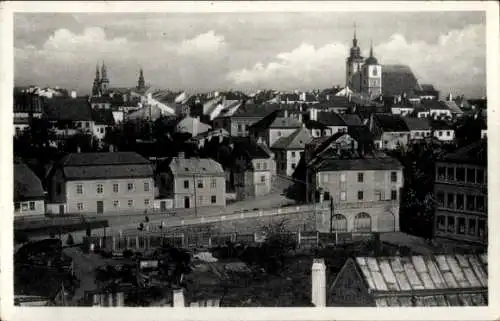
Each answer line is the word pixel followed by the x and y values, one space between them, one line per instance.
pixel 354 39
pixel 104 79
pixel 141 83
pixel 371 60
pixel 354 61
pixel 97 82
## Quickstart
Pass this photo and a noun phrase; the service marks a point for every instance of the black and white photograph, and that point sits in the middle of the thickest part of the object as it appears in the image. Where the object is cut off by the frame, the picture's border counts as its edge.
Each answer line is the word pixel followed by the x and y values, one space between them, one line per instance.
pixel 267 158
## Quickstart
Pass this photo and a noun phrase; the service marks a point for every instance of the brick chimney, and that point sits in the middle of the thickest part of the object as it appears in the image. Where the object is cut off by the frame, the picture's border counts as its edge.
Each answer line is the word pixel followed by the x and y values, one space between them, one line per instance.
pixel 318 295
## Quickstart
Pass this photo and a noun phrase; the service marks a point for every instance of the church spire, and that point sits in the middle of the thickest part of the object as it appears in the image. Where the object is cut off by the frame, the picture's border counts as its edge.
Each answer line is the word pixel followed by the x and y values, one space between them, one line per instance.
pixel 141 83
pixel 354 39
pixel 371 48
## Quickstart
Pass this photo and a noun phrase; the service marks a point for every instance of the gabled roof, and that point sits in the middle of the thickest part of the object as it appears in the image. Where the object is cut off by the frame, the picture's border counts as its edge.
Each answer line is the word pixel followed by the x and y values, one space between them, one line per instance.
pixel 27 185
pixel 285 122
pixel 313 124
pixel 351 119
pixel 390 123
pixel 248 147
pixel 195 166
pixel 297 140
pixel 252 110
pixel 353 164
pixel 415 123
pixel 434 104
pixel 71 109
pixel 453 107
pixel 475 153
pixel 330 119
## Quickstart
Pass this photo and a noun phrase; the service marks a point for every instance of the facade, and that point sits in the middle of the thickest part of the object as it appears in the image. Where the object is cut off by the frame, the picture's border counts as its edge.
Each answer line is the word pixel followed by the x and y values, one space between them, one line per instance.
pixel 29 196
pixel 101 183
pixel 443 131
pixel 414 281
pixel 389 131
pixel 237 122
pixel 289 150
pixel 196 182
pixel 371 76
pixel 461 192
pixel 419 128
pixel 273 127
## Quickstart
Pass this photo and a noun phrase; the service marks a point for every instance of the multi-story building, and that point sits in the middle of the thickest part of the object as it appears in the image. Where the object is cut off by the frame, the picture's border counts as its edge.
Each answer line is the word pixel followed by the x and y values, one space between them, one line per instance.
pixel 196 182
pixel 29 196
pixel 389 131
pixel 461 192
pixel 101 183
pixel 273 127
pixel 237 121
pixel 419 128
pixel 289 150
pixel 365 188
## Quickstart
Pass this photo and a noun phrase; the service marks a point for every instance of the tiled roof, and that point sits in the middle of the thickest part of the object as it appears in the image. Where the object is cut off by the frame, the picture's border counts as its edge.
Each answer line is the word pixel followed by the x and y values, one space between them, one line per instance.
pixel 249 147
pixel 26 184
pixel 415 123
pixel 297 140
pixel 426 280
pixel 330 119
pixel 72 109
pixel 367 163
pixel 351 120
pixel 391 123
pixel 282 122
pixel 252 110
pixel 188 125
pixel 196 166
pixel 105 165
pixel 475 153
pixel 453 107
pixel 397 79
pixel 313 124
pixel 103 117
pixel 440 124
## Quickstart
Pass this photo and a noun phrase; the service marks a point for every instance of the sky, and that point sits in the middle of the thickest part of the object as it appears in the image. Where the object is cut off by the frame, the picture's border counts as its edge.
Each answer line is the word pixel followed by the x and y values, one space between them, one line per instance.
pixel 246 51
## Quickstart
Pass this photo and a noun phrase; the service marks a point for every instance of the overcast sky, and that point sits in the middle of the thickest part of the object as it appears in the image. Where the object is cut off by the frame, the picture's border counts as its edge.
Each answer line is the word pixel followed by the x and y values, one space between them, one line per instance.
pixel 248 51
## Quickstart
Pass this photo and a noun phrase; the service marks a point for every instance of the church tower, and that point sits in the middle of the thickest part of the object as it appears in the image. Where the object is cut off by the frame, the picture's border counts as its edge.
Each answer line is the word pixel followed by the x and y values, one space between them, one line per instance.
pixel 141 85
pixel 354 62
pixel 104 79
pixel 371 79
pixel 96 90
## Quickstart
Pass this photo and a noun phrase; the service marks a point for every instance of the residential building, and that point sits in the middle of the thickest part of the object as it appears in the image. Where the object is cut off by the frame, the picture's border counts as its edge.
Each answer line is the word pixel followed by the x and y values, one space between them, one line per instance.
pixel 443 130
pixel 411 281
pixel 26 105
pixel 317 129
pixel 103 121
pixel 289 150
pixel 69 116
pixel 364 187
pixel 101 183
pixel 196 182
pixel 402 108
pixel 461 192
pixel 419 127
pixel 272 127
pixel 201 139
pixel 101 102
pixel 335 104
pixel 238 121
pixel 455 110
pixel 255 168
pixel 427 92
pixel 29 196
pixel 192 126
pixel 334 122
pixel 389 131
pixel 437 109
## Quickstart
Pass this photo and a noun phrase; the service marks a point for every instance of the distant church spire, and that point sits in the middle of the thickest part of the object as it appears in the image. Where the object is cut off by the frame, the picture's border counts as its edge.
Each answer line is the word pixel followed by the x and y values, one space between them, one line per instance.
pixel 371 48
pixel 104 79
pixel 354 39
pixel 96 86
pixel 141 83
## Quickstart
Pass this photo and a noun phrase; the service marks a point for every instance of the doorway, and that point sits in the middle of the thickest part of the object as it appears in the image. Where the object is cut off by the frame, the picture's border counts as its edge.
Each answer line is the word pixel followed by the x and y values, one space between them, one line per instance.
pixel 100 207
pixel 186 202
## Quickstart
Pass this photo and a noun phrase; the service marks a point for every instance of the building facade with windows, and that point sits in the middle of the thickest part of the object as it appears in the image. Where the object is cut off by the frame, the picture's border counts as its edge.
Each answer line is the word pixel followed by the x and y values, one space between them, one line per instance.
pixel 461 192
pixel 101 183
pixel 196 182
pixel 289 150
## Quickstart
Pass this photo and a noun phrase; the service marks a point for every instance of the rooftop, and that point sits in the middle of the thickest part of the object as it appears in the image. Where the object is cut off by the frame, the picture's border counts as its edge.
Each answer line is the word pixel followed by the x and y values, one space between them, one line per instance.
pixel 415 123
pixel 195 166
pixel 248 147
pixel 26 184
pixel 330 119
pixel 297 140
pixel 391 123
pixel 353 164
pixel 475 153
pixel 71 109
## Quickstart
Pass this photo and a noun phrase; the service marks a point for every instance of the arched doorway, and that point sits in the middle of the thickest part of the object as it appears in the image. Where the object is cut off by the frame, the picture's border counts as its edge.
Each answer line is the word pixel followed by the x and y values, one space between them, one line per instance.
pixel 363 222
pixel 339 223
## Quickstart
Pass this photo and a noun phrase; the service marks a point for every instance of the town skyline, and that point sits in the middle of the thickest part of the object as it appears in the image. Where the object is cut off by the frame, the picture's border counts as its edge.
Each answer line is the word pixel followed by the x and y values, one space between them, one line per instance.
pixel 284 51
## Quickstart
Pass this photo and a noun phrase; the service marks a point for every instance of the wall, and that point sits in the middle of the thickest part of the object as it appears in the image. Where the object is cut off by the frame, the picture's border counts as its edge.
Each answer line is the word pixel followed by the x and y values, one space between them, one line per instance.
pixel 99 131
pixel 421 133
pixel 390 140
pixel 203 194
pixel 292 160
pixel 30 207
pixel 244 123
pixel 89 197
pixel 445 135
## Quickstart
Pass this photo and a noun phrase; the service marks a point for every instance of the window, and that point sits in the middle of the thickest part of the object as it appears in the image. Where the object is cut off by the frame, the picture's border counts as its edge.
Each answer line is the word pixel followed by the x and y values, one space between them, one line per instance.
pixel 293 154
pixel 394 195
pixel 481 228
pixel 24 206
pixel 116 203
pixel 360 177
pixel 448 133
pixel 79 189
pixel 213 183
pixel 146 202
pixel 326 196
pixel 378 195
pixel 146 187
pixel 115 188
pixel 472 227
pixel 99 188
pixel 460 174
pixel 130 187
pixel 363 222
pixel 470 202
pixel 460 202
pixel 262 179
pixel 451 224
pixel 279 133
pixel 130 203
pixel 343 196
pixel 471 175
pixel 325 177
pixel 480 176
pixel 79 206
pixel 200 183
pixel 450 173
pixel 461 225
pixel 17 207
pixel 480 203
pixel 441 173
pixel 394 177
pixel 264 165
pixel 440 133
pixel 342 177
pixel 240 128
pixel 186 184
pixel 213 199
pixel 360 195
pixel 339 223
pixel 32 206
pixel 450 201
pixel 293 166
pixel 257 165
pixel 440 223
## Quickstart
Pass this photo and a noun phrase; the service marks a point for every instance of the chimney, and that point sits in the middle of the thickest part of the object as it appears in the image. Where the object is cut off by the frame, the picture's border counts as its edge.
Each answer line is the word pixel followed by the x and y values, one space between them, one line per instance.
pixel 318 296
pixel 179 298
pixel 73 94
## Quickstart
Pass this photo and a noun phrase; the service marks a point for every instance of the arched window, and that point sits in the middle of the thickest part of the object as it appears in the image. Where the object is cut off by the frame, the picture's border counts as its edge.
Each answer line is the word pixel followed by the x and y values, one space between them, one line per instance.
pixel 339 223
pixel 363 222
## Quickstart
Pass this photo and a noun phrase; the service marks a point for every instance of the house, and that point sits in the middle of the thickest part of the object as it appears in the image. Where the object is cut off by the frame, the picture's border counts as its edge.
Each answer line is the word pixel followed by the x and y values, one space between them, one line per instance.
pixel 237 121
pixel 419 127
pixel 443 130
pixel 29 196
pixel 103 120
pixel 408 281
pixel 20 125
pixel 317 129
pixel 191 125
pixel 402 108
pixel 437 109
pixel 461 192
pixel 454 109
pixel 69 115
pixel 255 168
pixel 289 150
pixel 334 122
pixel 101 102
pixel 351 120
pixel 389 131
pixel 26 104
pixel 205 137
pixel 427 92
pixel 101 183
pixel 196 182
pixel 272 127
pixel 336 104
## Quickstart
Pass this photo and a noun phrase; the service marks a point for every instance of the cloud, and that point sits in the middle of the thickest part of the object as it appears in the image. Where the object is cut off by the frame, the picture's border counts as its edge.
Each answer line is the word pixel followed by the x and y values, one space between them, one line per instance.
pixel 207 42
pixel 454 62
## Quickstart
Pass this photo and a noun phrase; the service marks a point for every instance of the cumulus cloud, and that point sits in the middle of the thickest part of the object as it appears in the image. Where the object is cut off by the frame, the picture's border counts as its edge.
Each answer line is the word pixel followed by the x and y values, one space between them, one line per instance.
pixel 455 61
pixel 207 42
